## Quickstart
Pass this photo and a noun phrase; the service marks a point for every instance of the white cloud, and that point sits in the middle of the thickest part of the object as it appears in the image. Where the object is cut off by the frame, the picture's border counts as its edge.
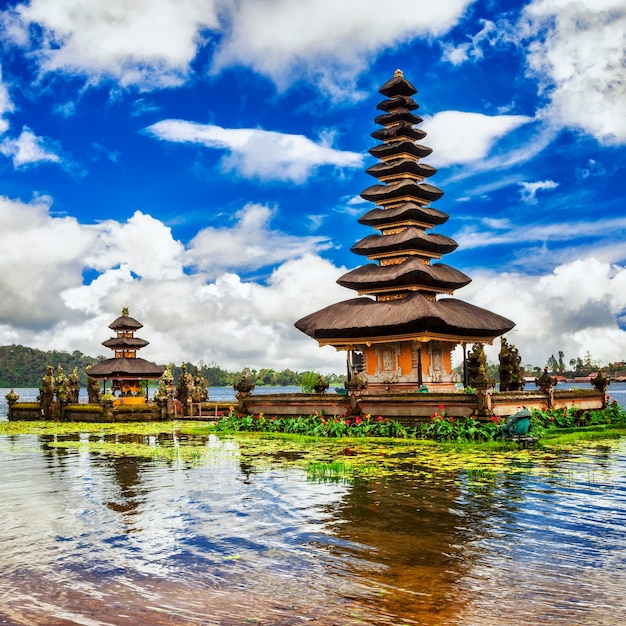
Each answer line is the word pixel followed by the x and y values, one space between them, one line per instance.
pixel 249 244
pixel 580 63
pixel 6 105
pixel 152 43
pixel 212 315
pixel 325 41
pixel 575 308
pixel 233 322
pixel 143 244
pixel 257 153
pixel 40 257
pixel 472 50
pixel 29 149
pixel 488 234
pixel 459 137
pixel 149 43
pixel 528 191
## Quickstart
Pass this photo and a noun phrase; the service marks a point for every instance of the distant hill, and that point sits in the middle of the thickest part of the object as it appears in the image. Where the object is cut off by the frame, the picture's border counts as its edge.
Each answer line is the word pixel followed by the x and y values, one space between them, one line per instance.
pixel 25 367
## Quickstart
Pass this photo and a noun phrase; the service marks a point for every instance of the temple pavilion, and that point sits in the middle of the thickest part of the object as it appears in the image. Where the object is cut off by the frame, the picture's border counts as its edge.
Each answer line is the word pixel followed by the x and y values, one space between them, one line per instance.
pixel 126 371
pixel 400 332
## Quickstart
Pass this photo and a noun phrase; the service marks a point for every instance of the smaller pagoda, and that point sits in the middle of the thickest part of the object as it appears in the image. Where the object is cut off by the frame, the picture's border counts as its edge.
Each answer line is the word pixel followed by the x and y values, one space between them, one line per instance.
pixel 126 370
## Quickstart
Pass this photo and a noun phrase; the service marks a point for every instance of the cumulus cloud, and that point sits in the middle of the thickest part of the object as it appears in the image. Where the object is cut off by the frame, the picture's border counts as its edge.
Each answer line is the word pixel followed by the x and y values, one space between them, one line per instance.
pixel 575 308
pixel 249 244
pixel 326 41
pixel 257 153
pixel 460 137
pixel 212 314
pixel 148 43
pixel 235 322
pixel 579 62
pixel 40 257
pixel 528 191
pixel 152 43
pixel 144 244
pixel 29 149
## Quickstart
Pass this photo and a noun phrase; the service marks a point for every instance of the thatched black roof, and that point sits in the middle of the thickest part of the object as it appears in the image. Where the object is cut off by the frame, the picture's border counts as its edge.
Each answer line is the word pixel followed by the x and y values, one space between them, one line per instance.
pixel 403 129
pixel 407 212
pixel 401 166
pixel 401 189
pixel 399 102
pixel 410 238
pixel 125 322
pixel 126 368
pixel 399 114
pixel 125 342
pixel 400 147
pixel 397 86
pixel 362 319
pixel 410 273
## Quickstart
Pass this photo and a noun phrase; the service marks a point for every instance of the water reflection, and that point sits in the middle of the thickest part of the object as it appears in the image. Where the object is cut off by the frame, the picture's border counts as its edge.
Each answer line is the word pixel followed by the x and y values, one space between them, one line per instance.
pixel 93 538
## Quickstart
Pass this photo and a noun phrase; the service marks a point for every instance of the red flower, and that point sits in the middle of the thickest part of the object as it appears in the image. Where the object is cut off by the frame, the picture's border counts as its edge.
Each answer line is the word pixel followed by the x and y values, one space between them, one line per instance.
pixel 347 422
pixel 441 407
pixel 379 418
pixel 358 420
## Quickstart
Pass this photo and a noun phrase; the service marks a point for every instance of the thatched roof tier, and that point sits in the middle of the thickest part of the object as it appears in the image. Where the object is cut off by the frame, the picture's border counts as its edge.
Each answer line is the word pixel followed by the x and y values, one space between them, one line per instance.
pixel 403 130
pixel 399 148
pixel 121 343
pixel 397 86
pixel 415 317
pixel 404 214
pixel 398 115
pixel 402 189
pixel 126 368
pixel 411 274
pixel 400 167
pixel 125 322
pixel 399 102
pixel 409 239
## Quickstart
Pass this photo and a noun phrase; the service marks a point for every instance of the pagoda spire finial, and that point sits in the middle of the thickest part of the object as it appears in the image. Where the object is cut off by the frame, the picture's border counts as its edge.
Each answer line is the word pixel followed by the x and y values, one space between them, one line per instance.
pixel 125 311
pixel 398 73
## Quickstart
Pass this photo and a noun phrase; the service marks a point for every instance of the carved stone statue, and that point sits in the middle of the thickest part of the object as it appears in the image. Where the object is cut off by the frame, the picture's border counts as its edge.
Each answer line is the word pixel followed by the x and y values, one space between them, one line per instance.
pixel 73 387
pixel 511 371
pixel 46 393
pixel 185 389
pixel 200 384
pixel 93 390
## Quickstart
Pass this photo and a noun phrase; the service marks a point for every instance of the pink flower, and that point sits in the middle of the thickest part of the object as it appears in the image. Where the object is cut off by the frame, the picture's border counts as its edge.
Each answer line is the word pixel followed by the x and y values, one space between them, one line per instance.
pixel 379 418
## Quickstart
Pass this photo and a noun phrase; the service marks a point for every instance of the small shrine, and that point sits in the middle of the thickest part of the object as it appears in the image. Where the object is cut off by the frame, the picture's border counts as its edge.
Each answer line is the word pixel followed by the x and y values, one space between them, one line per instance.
pixel 127 373
pixel 400 332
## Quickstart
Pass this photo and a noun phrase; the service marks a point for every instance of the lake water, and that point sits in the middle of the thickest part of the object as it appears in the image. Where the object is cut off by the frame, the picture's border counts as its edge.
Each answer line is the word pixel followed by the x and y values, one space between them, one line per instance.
pixel 240 534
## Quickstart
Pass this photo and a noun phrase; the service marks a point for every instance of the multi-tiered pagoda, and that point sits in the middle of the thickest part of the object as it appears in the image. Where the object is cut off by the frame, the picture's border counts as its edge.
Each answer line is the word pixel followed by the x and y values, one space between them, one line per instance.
pixel 126 370
pixel 400 333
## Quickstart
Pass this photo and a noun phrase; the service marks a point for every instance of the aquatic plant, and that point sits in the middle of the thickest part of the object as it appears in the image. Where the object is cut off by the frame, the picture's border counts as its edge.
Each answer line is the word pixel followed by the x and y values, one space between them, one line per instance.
pixel 316 425
pixel 444 427
pixel 563 418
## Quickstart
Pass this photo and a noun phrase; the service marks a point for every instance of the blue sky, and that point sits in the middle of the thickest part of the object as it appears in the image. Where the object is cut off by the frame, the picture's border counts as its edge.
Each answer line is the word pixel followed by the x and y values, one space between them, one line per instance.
pixel 200 161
